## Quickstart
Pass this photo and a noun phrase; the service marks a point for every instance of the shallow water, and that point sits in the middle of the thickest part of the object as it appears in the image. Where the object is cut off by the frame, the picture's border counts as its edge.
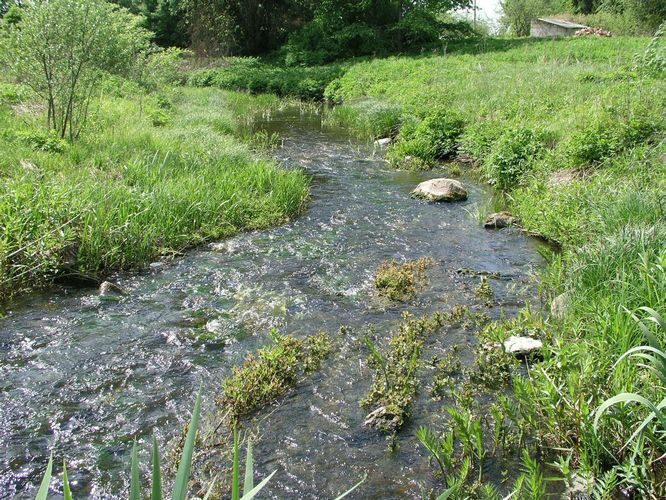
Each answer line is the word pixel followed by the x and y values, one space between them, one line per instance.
pixel 85 375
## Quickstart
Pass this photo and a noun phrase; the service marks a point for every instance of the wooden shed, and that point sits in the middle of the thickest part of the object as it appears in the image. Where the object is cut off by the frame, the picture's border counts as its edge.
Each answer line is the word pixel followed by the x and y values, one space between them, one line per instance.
pixel 548 28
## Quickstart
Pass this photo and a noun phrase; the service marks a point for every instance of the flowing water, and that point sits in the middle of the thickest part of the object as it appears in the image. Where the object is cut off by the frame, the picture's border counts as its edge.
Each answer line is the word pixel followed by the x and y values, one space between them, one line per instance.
pixel 85 375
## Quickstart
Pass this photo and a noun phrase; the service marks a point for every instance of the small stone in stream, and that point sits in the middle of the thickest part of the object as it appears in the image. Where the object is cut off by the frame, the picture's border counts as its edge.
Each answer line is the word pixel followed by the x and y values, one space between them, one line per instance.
pixel 499 220
pixel 108 288
pixel 440 190
pixel 382 419
pixel 560 306
pixel 521 346
pixel 156 266
pixel 383 142
pixel 214 326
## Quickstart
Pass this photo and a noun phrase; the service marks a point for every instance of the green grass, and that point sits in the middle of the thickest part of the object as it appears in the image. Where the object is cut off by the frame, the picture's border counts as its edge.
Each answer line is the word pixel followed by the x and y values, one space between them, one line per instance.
pixel 133 188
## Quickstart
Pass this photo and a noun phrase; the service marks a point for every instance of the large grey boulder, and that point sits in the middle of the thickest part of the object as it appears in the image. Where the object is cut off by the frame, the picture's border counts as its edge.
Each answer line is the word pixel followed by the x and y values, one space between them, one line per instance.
pixel 383 142
pixel 440 190
pixel 521 346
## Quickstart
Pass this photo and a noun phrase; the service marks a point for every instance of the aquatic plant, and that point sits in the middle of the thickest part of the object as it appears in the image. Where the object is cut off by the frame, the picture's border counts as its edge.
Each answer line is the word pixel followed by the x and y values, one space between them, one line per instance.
pixel 271 373
pixel 395 384
pixel 401 281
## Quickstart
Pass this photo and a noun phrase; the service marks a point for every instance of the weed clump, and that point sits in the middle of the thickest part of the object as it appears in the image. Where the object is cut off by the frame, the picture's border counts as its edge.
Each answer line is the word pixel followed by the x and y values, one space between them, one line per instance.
pixel 271 372
pixel 602 139
pixel 511 156
pixel 401 281
pixel 395 385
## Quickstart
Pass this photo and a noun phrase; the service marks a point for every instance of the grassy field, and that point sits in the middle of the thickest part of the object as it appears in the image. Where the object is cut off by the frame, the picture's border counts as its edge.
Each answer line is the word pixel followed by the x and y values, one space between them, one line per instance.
pixel 572 134
pixel 150 177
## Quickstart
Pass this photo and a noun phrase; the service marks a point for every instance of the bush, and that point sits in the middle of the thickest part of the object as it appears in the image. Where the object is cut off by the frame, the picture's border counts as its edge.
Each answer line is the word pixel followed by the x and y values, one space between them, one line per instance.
pixel 511 156
pixel 435 137
pixel 477 140
pixel 604 138
pixel 248 74
pixel 43 140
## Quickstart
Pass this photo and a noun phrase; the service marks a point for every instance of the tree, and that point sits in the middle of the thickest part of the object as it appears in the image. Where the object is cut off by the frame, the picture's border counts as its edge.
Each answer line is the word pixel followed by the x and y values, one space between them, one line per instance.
pixel 61 48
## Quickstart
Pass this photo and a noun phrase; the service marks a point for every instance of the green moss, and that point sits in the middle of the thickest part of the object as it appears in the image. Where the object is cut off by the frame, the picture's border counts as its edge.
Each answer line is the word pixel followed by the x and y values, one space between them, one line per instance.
pixel 401 282
pixel 270 373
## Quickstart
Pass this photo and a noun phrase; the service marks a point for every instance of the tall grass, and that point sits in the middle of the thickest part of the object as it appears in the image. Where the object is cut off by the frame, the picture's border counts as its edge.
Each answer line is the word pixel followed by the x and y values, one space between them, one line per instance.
pixel 129 191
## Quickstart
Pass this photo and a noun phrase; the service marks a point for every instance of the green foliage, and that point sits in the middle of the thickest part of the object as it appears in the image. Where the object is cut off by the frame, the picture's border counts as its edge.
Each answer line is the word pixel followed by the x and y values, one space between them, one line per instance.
pixel 654 424
pixel 251 75
pixel 42 140
pixel 652 61
pixel 401 282
pixel 343 28
pixel 271 373
pixel 435 137
pixel 517 14
pixel 603 139
pixel 511 156
pixel 96 36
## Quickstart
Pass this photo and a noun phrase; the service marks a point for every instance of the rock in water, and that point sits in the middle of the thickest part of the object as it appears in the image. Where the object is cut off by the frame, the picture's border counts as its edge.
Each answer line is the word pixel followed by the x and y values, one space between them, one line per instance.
pixel 520 346
pixel 499 220
pixel 383 142
pixel 440 190
pixel 108 288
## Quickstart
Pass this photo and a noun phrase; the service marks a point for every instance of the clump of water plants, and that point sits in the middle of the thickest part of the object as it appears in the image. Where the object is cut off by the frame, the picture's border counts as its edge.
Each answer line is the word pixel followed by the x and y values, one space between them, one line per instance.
pixel 271 372
pixel 401 281
pixel 395 384
pixel 485 290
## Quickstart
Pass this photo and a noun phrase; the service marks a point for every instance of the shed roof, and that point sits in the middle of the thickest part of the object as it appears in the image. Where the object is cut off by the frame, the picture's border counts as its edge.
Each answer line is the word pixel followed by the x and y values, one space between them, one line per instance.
pixel 562 24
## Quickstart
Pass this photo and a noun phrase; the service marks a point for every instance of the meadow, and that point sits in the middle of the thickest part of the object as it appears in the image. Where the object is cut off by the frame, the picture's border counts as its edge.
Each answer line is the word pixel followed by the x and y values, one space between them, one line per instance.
pixel 152 175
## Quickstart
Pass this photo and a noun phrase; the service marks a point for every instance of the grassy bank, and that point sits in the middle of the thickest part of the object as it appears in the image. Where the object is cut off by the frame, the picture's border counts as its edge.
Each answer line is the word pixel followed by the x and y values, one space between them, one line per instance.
pixel 573 134
pixel 150 177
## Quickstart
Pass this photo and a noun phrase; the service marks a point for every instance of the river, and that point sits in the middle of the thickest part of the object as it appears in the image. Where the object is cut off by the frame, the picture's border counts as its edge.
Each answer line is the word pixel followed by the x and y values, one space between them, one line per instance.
pixel 85 375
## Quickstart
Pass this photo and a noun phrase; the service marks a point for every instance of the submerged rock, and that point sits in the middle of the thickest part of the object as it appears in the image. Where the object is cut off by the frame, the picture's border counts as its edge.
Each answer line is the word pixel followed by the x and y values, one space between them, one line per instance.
pixel 382 419
pixel 499 220
pixel 108 288
pixel 440 190
pixel 383 142
pixel 560 306
pixel 521 346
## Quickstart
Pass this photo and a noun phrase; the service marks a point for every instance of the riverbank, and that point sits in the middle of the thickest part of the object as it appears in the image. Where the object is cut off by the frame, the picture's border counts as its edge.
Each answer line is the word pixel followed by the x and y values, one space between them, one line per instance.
pixel 151 176
pixel 571 133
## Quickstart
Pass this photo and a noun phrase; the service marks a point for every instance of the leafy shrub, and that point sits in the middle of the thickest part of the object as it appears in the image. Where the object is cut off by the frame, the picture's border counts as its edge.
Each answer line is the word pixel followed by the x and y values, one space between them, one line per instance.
pixel 435 137
pixel 248 74
pixel 43 140
pixel 478 138
pixel 11 94
pixel 511 156
pixel 604 138
pixel 653 60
